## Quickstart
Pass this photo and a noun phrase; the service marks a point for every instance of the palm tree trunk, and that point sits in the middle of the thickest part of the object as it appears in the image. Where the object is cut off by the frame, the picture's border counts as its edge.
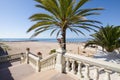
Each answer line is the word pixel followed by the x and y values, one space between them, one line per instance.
pixel 64 39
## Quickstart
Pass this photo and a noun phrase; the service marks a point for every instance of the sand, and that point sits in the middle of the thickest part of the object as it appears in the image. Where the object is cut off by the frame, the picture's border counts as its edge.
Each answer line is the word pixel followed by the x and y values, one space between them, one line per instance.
pixel 46 47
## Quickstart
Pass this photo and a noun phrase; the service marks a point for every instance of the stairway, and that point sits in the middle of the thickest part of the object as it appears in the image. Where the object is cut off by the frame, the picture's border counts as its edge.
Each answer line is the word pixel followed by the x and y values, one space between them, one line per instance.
pixel 26 72
pixel 49 75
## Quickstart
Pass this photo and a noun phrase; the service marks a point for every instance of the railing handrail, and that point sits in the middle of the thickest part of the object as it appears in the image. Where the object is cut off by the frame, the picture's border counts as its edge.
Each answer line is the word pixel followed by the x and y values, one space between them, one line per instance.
pixel 33 56
pixel 5 58
pixel 48 57
pixel 96 62
pixel 11 55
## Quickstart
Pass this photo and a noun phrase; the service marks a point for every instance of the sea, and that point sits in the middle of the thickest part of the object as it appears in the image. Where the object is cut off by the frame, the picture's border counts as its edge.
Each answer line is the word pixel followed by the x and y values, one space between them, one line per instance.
pixel 42 39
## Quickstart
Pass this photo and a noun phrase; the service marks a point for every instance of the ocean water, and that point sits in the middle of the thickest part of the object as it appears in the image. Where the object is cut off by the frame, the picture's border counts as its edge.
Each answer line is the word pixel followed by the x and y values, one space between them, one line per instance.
pixel 42 39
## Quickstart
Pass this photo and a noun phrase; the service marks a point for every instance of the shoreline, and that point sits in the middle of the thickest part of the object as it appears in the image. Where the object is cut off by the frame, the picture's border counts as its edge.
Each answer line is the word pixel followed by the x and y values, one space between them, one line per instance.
pixel 42 40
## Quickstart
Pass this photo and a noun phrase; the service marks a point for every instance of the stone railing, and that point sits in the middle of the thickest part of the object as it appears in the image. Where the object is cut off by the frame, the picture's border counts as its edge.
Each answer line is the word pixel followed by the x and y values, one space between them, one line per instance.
pixel 86 68
pixel 37 62
pixel 33 59
pixel 48 62
pixel 81 67
pixel 11 58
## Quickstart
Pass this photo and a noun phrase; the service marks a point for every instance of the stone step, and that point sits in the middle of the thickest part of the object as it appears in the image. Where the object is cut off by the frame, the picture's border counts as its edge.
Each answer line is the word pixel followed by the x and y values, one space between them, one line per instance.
pixel 49 75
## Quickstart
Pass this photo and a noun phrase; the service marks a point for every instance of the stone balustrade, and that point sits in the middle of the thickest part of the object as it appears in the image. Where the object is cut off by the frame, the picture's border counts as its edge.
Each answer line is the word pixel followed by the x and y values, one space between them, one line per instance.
pixel 12 57
pixel 86 68
pixel 42 64
pixel 33 60
pixel 48 62
pixel 38 63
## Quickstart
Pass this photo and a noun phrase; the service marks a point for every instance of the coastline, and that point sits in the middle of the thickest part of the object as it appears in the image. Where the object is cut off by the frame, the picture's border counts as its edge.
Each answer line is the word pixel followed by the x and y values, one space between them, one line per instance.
pixel 42 39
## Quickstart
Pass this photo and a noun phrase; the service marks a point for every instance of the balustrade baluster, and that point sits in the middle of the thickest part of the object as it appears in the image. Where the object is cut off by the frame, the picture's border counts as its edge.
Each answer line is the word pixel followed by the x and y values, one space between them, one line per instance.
pixel 79 73
pixel 54 62
pixel 45 65
pixel 48 63
pixel 107 75
pixel 51 63
pixel 42 66
pixel 87 77
pixel 96 76
pixel 73 67
pixel 67 65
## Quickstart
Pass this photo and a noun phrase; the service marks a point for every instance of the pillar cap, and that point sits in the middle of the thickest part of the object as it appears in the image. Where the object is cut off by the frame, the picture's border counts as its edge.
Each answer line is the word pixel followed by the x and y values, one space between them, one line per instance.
pixel 28 49
pixel 39 53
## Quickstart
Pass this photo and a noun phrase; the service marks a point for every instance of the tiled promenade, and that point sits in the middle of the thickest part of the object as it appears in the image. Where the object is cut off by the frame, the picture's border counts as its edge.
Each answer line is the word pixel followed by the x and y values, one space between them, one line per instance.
pixel 26 72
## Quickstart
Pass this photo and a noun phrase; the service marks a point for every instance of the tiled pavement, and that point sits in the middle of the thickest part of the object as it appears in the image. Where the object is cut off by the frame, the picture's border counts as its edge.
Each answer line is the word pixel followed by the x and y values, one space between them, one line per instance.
pixel 26 72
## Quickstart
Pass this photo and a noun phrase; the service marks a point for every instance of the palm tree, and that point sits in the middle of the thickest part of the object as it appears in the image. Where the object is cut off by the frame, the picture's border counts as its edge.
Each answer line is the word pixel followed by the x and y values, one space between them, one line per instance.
pixel 107 37
pixel 63 15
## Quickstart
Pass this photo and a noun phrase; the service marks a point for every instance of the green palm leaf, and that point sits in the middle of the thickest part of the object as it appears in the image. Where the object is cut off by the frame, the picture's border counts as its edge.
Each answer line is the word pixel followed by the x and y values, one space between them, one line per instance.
pixel 107 37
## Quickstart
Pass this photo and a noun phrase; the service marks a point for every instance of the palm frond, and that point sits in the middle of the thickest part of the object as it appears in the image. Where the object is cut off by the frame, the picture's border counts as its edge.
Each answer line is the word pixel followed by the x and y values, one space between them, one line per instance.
pixel 107 37
pixel 41 16
pixel 91 42
pixel 90 14
pixel 79 4
pixel 58 33
pixel 38 24
pixel 85 11
pixel 52 32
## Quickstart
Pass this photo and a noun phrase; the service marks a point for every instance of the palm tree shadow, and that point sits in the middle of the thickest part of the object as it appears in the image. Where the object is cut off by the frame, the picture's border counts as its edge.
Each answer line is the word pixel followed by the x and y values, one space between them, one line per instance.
pixel 4 64
pixel 3 52
pixel 5 73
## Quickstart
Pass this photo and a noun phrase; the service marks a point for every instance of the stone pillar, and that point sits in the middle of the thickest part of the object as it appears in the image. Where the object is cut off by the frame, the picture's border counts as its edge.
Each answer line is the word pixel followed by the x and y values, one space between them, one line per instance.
pixel 27 55
pixel 39 55
pixel 60 61
pixel 22 58
pixel 38 66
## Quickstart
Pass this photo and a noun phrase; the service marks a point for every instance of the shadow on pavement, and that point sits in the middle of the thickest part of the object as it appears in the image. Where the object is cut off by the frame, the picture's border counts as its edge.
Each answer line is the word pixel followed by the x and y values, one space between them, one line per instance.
pixel 5 73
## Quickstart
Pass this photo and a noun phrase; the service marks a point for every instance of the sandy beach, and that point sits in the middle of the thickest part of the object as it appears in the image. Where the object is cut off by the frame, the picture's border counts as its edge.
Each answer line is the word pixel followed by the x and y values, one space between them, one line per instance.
pixel 46 47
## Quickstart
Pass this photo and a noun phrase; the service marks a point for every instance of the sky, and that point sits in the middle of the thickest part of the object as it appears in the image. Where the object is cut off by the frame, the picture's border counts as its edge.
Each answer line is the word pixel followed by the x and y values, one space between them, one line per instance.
pixel 14 17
